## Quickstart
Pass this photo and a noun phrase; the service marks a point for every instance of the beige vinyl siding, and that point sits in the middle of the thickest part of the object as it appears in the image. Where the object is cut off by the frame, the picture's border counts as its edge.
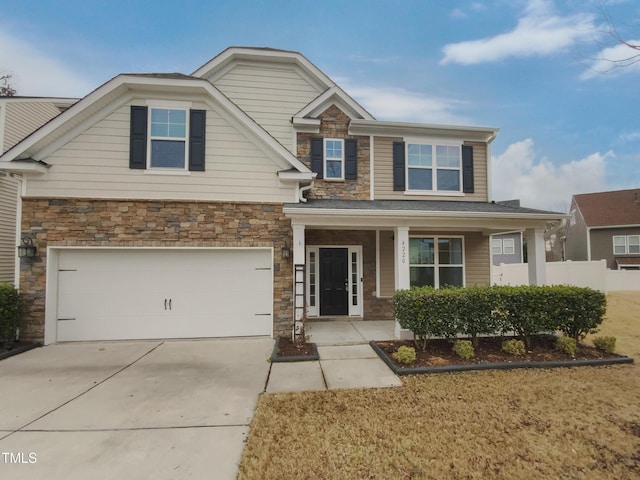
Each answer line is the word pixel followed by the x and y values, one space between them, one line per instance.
pixel 8 206
pixel 383 174
pixel 96 165
pixel 271 95
pixel 387 272
pixel 22 118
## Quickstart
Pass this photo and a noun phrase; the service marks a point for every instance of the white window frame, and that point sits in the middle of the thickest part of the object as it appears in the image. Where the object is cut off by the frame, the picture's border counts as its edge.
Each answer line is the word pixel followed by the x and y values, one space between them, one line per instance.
pixel 436 265
pixel 168 105
pixel 626 245
pixel 354 310
pixel 434 143
pixel 335 159
pixel 496 246
pixel 508 244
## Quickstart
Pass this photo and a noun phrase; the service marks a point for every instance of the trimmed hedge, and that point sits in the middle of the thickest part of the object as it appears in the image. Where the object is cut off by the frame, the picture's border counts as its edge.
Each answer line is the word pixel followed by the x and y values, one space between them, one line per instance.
pixel 473 311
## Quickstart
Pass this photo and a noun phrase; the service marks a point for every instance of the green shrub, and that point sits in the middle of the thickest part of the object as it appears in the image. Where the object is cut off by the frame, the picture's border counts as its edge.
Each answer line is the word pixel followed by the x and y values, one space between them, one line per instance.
pixel 405 355
pixel 464 349
pixel 513 347
pixel 567 345
pixel 606 344
pixel 11 312
pixel 474 311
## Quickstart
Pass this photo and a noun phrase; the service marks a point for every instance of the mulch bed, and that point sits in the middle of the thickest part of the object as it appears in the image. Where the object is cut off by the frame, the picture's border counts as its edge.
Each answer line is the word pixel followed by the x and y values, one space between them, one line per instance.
pixel 288 351
pixel 439 353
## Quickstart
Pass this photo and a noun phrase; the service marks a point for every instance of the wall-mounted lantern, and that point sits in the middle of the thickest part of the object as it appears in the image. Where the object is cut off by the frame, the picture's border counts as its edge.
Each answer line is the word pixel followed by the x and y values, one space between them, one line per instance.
pixel 27 249
pixel 286 252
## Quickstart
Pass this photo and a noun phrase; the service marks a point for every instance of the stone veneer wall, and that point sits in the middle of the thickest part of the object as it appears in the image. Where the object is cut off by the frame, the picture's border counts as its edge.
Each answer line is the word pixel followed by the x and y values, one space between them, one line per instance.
pixel 111 223
pixel 335 124
pixel 373 308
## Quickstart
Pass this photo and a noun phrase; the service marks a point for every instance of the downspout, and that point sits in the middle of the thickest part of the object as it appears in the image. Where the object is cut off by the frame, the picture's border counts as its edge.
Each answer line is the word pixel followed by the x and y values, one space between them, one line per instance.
pixel 16 261
pixel 301 191
pixel 588 244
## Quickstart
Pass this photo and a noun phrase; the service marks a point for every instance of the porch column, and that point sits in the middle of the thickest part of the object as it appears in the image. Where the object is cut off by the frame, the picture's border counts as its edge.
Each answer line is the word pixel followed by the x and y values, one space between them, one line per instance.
pixel 401 265
pixel 299 259
pixel 536 257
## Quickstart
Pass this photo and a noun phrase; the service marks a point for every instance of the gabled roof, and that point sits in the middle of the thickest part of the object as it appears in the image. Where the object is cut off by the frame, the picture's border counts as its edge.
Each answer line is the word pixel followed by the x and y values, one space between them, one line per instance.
pixel 109 96
pixel 610 209
pixel 331 92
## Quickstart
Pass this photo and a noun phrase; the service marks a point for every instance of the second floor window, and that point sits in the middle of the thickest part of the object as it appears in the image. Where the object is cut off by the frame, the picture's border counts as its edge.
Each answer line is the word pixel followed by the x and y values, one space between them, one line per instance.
pixel 168 138
pixel 334 158
pixel 624 244
pixel 434 167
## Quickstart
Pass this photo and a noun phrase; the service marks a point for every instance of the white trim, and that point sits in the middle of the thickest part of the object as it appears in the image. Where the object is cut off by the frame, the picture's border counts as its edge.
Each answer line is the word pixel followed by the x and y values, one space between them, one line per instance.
pixel 433 193
pixel 354 310
pixel 16 260
pixel 400 129
pixel 603 227
pixel 489 171
pixel 168 105
pixel 377 263
pixel 588 243
pixel 333 96
pixel 333 159
pixel 372 189
pixel 436 265
pixel 51 287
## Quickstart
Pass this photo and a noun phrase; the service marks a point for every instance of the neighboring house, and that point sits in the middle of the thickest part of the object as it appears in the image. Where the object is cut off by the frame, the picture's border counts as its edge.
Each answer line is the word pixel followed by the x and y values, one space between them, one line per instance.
pixel 19 116
pixel 242 198
pixel 605 225
pixel 507 248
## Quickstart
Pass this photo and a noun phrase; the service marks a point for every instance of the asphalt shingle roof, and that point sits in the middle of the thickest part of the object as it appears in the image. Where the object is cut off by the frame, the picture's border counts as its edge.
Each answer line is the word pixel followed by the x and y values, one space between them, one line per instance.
pixel 420 205
pixel 620 207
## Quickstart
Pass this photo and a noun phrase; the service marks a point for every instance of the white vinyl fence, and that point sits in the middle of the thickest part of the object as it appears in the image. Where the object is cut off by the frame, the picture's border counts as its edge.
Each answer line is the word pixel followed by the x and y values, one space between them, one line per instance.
pixel 581 274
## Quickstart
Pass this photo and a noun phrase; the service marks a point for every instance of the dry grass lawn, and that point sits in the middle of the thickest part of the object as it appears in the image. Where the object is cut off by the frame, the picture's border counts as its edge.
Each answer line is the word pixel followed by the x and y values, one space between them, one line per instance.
pixel 549 424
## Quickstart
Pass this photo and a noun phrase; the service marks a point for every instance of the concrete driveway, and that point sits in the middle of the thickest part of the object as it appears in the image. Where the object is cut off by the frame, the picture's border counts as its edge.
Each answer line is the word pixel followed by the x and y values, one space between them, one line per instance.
pixel 174 409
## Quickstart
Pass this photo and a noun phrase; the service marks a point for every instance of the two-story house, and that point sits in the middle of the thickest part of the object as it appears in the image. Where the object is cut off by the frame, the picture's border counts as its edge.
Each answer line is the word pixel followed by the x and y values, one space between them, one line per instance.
pixel 240 199
pixel 19 116
pixel 605 226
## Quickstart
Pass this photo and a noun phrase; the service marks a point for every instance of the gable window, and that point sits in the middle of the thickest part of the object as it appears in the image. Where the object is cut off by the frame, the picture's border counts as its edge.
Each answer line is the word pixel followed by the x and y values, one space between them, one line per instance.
pixel 168 138
pixel 436 261
pixel 333 158
pixel 623 244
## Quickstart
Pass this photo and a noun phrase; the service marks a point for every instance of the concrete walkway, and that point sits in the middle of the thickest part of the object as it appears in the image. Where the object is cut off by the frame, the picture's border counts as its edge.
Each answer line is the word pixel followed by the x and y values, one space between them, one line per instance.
pixel 346 359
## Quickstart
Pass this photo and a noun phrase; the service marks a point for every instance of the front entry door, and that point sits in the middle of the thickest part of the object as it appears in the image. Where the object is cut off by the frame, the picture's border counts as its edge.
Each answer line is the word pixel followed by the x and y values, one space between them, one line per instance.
pixel 334 281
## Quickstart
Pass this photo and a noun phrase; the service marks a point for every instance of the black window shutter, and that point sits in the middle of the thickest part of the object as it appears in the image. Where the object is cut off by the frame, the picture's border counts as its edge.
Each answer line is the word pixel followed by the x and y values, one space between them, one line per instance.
pixel 197 128
pixel 138 138
pixel 467 169
pixel 398 167
pixel 351 159
pixel 317 156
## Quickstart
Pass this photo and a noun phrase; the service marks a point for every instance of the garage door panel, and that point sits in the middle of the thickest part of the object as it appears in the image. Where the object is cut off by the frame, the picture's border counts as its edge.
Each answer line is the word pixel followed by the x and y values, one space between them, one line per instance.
pixel 129 294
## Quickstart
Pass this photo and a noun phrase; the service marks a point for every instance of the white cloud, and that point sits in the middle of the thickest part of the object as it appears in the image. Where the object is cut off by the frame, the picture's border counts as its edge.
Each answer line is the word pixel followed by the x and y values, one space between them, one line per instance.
pixel 539 183
pixel 36 74
pixel 614 61
pixel 404 105
pixel 539 32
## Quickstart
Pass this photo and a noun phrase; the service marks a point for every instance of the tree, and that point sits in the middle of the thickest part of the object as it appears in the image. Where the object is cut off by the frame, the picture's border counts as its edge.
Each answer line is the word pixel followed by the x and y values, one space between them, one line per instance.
pixel 6 90
pixel 634 47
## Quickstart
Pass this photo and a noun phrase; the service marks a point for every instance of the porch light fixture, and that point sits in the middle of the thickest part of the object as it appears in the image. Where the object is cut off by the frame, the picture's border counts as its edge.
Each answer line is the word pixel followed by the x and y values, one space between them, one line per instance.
pixel 27 249
pixel 286 252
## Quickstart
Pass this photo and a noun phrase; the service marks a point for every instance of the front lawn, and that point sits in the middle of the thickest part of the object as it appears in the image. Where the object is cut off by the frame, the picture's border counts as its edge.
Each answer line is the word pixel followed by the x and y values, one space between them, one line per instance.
pixel 568 423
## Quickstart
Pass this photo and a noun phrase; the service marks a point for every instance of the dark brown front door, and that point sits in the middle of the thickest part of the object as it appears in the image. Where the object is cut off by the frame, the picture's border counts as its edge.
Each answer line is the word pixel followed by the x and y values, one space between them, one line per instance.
pixel 334 281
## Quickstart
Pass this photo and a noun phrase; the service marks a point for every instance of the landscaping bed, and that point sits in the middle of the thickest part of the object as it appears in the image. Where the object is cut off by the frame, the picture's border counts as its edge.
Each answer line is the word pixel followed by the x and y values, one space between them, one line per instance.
pixel 286 350
pixel 439 356
pixel 14 348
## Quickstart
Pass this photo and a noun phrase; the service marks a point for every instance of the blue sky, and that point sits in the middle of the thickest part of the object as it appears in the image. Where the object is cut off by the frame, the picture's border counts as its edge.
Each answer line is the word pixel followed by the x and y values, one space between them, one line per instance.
pixel 569 124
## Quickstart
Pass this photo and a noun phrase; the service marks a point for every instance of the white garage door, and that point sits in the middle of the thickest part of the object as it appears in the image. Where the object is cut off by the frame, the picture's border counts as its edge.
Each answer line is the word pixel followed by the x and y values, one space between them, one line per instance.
pixel 138 294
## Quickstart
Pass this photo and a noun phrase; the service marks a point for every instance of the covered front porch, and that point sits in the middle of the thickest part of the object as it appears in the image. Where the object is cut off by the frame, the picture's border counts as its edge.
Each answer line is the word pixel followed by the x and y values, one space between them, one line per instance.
pixel 351 256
